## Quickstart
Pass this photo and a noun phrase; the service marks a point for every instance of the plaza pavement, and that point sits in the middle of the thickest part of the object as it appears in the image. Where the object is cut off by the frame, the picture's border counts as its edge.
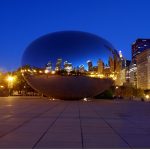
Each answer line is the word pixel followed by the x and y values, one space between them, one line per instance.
pixel 32 122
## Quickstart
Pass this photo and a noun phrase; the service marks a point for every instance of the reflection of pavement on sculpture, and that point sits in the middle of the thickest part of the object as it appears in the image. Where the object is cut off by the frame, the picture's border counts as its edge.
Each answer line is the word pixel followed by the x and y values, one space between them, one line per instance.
pixel 68 87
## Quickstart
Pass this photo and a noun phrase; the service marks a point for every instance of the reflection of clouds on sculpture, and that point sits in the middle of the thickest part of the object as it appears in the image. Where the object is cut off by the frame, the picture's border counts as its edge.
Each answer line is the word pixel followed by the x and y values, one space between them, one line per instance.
pixel 69 64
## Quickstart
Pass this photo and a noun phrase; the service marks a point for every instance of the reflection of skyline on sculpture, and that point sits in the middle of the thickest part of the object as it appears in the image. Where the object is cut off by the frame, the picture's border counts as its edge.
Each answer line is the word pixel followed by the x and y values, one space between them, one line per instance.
pixel 66 68
pixel 75 47
pixel 72 53
pixel 70 65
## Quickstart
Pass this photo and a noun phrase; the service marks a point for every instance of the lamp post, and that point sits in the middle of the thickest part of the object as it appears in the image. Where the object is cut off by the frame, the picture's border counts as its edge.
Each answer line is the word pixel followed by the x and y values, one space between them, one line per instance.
pixel 117 91
pixel 10 80
pixel 147 97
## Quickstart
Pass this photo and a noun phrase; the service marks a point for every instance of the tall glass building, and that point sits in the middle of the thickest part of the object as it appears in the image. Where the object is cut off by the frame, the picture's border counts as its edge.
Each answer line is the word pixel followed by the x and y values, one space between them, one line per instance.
pixel 139 46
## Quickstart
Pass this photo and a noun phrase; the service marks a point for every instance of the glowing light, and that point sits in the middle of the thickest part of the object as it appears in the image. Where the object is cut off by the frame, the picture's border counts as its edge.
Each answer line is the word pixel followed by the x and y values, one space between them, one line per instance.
pixel 40 71
pixel 56 68
pixel 147 96
pixel 68 68
pixel 117 87
pixel 114 78
pixel 34 71
pixel 53 72
pixel 22 71
pixel 46 71
pixel 120 54
pixel 85 99
pixel 100 75
pixel 10 78
pixel 52 99
pixel 1 86
pixel 111 75
pixel 92 73
pixel 96 75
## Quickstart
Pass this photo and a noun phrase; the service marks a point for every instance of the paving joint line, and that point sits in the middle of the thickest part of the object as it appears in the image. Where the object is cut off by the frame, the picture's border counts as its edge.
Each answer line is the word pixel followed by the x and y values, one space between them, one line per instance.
pixel 10 117
pixel 111 127
pixel 27 121
pixel 50 126
pixel 81 126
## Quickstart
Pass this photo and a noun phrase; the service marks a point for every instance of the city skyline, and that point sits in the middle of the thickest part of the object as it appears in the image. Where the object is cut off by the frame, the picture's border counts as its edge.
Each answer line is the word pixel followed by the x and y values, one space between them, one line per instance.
pixel 119 22
pixel 74 74
pixel 73 46
pixel 56 66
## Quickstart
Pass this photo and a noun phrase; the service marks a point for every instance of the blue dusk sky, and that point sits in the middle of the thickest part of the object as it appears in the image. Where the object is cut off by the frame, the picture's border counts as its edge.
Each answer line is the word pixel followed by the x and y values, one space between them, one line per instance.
pixel 120 22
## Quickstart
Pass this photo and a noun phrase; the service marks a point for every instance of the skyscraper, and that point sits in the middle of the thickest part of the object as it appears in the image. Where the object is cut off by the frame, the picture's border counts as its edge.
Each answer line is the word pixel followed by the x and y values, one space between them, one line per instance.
pixel 58 64
pixel 127 67
pixel 90 65
pixel 143 70
pixel 111 64
pixel 81 68
pixel 49 67
pixel 139 46
pixel 133 74
pixel 68 66
pixel 100 67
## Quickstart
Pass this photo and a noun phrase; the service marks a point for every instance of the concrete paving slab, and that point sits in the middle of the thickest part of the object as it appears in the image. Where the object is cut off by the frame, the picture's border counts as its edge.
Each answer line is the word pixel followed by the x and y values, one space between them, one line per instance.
pixel 32 122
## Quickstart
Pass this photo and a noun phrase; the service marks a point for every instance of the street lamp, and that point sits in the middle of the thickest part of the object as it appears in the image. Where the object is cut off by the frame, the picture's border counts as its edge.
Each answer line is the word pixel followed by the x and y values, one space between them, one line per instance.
pixel 117 92
pixel 117 87
pixel 10 80
pixel 147 97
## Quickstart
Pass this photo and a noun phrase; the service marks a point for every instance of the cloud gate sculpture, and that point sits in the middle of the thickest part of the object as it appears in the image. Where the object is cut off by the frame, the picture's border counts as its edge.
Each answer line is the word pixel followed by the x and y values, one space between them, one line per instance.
pixel 70 65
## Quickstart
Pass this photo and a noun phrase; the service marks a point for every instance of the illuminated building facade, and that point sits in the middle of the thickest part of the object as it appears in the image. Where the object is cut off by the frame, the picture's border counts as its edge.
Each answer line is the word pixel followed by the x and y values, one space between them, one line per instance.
pixel 124 73
pixel 68 66
pixel 58 64
pixel 95 69
pixel 100 67
pixel 133 74
pixel 127 70
pixel 112 64
pixel 121 69
pixel 139 46
pixel 143 70
pixel 107 71
pixel 81 69
pixel 112 69
pixel 90 65
pixel 48 67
